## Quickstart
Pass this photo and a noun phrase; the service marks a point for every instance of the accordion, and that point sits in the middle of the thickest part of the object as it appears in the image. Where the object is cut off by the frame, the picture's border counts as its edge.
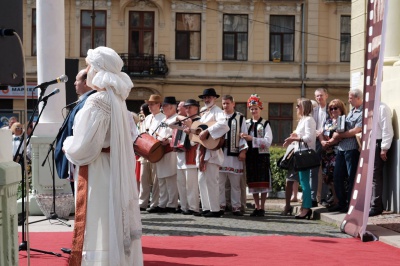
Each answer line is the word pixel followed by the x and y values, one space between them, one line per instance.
pixel 341 124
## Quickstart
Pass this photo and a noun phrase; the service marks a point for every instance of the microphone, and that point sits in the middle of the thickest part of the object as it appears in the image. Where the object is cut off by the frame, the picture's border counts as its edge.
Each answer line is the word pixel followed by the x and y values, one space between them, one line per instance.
pixel 55 91
pixel 6 32
pixel 62 78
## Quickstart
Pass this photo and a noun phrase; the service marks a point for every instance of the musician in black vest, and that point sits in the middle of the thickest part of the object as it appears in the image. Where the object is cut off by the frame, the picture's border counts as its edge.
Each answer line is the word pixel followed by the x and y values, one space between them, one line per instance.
pixel 235 149
pixel 64 168
pixel 187 174
pixel 259 139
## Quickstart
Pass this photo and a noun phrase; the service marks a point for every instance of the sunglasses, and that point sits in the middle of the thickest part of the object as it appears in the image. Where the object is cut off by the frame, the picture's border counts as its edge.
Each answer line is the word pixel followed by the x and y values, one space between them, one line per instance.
pixel 333 108
pixel 18 128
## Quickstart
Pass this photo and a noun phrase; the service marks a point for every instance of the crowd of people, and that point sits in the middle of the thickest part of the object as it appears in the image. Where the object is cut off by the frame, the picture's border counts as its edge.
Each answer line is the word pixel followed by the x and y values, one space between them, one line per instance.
pixel 209 157
pixel 333 133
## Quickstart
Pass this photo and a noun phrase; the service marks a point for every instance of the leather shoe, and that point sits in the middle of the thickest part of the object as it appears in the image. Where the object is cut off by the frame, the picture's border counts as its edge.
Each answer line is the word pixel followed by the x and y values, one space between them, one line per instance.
pixel 314 203
pixel 213 214
pixel 66 250
pixel 201 213
pixel 142 209
pixel 374 212
pixel 337 208
pixel 237 213
pixel 156 210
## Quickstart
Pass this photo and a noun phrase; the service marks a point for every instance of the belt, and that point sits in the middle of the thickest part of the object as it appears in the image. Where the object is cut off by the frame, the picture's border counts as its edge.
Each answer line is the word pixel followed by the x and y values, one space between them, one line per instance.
pixel 105 150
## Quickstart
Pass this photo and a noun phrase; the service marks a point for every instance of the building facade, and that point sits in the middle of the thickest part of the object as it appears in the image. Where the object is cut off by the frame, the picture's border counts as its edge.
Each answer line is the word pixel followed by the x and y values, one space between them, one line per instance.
pixel 281 50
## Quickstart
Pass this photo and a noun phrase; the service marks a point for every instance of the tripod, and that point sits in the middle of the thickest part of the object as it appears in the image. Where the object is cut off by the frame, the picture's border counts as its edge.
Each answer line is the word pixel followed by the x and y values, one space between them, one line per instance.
pixel 24 244
pixel 53 214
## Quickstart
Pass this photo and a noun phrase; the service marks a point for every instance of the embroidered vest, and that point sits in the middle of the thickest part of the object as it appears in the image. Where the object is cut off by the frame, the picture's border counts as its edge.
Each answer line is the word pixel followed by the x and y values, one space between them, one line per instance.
pixel 259 131
pixel 233 135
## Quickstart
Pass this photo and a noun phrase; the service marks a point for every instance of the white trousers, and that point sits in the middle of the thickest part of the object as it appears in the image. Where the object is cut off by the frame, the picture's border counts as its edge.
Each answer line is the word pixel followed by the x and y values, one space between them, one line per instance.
pixel 188 188
pixel 168 192
pixel 234 180
pixel 148 182
pixel 209 188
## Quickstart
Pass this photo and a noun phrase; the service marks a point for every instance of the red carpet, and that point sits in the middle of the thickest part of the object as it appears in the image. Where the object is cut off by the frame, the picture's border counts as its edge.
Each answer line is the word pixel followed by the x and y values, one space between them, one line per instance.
pixel 231 250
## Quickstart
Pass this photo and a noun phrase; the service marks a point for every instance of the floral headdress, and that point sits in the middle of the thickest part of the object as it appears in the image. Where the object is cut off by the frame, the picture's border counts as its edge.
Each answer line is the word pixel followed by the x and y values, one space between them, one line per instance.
pixel 254 100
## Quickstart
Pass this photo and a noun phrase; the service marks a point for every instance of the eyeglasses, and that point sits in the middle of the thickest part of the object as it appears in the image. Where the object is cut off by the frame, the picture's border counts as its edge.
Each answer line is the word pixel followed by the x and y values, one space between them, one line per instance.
pixel 333 108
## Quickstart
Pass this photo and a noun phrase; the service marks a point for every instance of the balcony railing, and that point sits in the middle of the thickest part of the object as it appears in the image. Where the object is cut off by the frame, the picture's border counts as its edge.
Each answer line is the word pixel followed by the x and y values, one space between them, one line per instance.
pixel 144 65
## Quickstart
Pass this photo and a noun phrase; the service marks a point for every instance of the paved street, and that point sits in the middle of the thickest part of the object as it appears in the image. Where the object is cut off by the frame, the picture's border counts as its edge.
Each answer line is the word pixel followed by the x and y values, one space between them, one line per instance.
pixel 229 225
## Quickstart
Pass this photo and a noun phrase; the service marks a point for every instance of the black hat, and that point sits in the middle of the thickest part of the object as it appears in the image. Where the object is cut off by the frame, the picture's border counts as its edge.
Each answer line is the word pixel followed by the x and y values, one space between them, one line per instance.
pixel 209 92
pixel 190 102
pixel 169 100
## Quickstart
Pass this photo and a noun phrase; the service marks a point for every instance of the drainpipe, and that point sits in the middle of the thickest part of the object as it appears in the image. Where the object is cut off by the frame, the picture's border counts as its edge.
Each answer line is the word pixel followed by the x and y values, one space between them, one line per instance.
pixel 303 74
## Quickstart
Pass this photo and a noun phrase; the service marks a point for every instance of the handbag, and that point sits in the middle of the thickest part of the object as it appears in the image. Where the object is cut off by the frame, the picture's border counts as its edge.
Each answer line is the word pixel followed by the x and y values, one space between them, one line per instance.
pixel 305 159
pixel 286 161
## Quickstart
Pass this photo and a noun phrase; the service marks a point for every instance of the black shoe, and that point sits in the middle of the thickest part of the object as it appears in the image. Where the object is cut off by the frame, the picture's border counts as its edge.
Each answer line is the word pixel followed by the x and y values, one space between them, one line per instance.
pixel 213 214
pixel 374 212
pixel 156 210
pixel 337 208
pixel 307 216
pixel 254 213
pixel 66 250
pixel 170 209
pixel 143 209
pixel 188 212
pixel 314 203
pixel 179 210
pixel 201 213
pixel 237 213
pixel 261 213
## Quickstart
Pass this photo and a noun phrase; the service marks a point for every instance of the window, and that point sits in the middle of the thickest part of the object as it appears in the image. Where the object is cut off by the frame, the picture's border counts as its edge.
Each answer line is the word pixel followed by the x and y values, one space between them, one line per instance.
pixel 99 37
pixel 345 43
pixel 33 36
pixel 281 119
pixel 235 37
pixel 281 38
pixel 188 36
pixel 141 32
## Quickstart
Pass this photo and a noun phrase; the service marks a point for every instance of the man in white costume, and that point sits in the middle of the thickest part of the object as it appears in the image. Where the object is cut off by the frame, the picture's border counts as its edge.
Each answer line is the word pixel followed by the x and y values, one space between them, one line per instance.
pixel 187 175
pixel 166 167
pixel 107 218
pixel 208 160
pixel 235 149
pixel 148 176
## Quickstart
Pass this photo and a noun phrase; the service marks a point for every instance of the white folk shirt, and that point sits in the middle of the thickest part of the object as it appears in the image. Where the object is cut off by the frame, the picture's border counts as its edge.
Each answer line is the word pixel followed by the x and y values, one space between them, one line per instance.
pixel 232 164
pixel 385 129
pixel 216 131
pixel 167 165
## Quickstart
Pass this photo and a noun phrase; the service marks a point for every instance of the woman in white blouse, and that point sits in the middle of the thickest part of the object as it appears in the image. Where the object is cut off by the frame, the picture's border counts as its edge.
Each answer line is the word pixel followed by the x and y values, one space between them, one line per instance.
pixel 306 130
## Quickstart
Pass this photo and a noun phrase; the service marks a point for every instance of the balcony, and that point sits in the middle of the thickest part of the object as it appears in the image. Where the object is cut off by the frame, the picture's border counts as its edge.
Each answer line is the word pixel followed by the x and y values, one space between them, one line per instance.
pixel 144 65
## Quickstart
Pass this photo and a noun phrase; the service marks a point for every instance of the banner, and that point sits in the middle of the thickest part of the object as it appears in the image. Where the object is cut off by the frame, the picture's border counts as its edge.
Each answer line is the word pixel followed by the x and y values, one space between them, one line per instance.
pixel 356 219
pixel 18 92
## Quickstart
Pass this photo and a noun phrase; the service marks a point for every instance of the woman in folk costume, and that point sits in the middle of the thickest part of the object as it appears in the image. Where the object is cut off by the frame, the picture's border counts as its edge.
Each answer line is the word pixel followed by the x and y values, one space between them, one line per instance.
pixel 107 217
pixel 259 139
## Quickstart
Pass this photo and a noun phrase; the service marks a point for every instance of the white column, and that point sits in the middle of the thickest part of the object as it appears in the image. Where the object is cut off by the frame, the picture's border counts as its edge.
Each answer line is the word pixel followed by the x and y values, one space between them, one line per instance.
pixel 51 61
pixel 50 65
pixel 392 45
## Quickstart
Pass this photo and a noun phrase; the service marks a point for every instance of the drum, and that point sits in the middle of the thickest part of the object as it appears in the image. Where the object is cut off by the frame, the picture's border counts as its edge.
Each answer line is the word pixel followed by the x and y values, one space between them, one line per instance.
pixel 148 147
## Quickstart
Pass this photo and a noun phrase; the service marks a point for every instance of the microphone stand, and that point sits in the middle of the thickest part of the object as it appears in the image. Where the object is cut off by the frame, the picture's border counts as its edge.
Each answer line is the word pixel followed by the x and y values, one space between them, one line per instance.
pixel 24 244
pixel 53 214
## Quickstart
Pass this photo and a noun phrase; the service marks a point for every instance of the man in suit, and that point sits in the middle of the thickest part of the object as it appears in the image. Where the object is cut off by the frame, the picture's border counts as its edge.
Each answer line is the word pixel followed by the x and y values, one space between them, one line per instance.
pixel 320 114
pixel 64 168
